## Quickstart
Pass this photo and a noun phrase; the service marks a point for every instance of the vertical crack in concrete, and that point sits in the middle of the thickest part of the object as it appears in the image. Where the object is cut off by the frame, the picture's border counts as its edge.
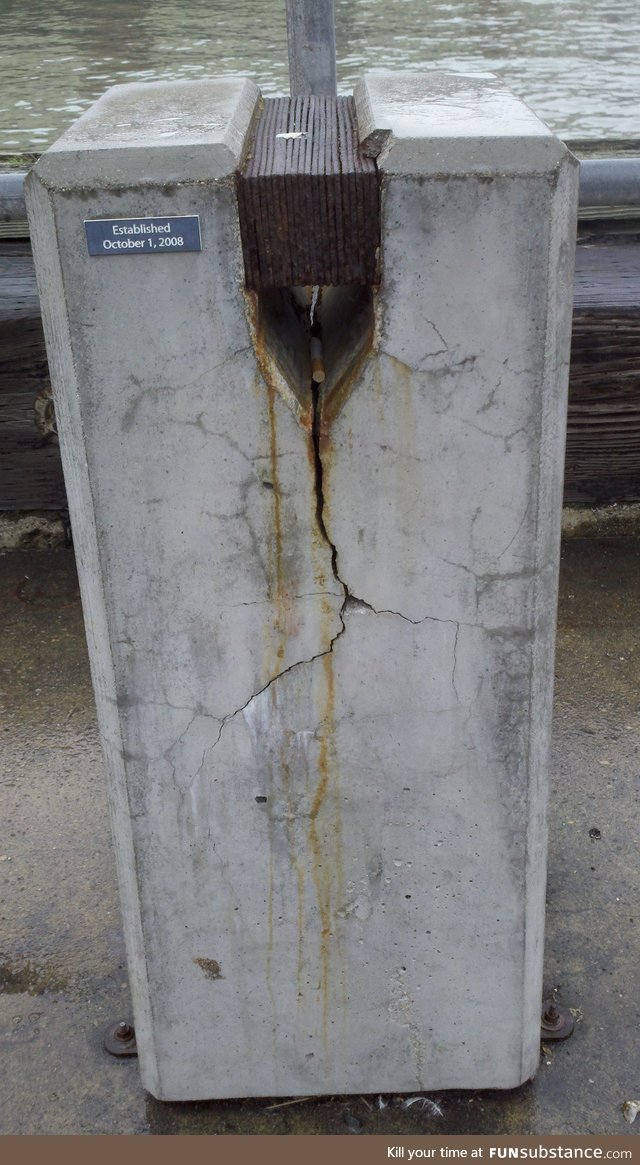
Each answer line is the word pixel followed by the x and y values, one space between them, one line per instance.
pixel 455 664
pixel 319 473
pixel 315 329
pixel 350 601
pixel 325 824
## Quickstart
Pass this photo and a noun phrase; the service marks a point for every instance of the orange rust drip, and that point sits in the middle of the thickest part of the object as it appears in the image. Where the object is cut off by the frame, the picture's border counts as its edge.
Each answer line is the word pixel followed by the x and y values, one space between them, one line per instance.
pixel 325 842
pixel 324 836
pixel 285 768
pixel 269 959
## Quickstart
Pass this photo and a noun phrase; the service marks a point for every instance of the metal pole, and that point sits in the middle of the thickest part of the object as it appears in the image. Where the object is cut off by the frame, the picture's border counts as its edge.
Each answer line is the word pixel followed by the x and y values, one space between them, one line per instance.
pixel 613 182
pixel 12 208
pixel 311 37
pixel 610 182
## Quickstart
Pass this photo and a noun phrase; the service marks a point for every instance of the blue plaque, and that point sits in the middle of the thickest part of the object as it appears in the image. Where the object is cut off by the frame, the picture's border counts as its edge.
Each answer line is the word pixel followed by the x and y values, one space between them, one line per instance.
pixel 151 235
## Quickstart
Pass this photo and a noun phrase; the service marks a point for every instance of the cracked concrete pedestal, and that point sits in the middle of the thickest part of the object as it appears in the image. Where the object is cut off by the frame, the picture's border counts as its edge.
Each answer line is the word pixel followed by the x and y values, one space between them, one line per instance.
pixel 322 637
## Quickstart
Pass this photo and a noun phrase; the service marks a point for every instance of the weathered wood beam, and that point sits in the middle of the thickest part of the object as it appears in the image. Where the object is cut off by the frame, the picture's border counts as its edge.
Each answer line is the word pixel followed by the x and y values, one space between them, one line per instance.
pixel 306 169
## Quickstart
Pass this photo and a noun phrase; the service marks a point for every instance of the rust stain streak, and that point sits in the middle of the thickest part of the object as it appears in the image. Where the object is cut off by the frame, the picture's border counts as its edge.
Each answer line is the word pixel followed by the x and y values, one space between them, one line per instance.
pixel 273 375
pixel 313 864
pixel 325 843
pixel 270 903
pixel 294 858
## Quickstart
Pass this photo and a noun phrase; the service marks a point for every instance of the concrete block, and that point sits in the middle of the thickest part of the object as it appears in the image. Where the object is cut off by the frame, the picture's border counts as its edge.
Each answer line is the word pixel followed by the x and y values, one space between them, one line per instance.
pixel 322 649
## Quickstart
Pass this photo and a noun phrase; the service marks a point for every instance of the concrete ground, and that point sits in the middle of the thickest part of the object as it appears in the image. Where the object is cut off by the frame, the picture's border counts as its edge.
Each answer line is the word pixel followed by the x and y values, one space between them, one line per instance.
pixel 62 967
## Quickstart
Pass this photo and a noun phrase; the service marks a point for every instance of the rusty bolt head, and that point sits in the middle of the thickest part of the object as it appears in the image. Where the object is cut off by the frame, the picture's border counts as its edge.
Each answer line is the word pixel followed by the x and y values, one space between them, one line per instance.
pixel 120 1039
pixel 557 1022
pixel 552 1017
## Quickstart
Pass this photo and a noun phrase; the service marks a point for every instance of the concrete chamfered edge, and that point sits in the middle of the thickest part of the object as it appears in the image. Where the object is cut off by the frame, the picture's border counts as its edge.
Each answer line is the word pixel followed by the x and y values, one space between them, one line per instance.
pixel 451 123
pixel 153 132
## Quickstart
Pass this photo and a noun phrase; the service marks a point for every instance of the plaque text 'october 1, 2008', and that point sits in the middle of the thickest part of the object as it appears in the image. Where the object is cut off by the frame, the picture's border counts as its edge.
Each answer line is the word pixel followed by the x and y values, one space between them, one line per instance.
pixel 143 236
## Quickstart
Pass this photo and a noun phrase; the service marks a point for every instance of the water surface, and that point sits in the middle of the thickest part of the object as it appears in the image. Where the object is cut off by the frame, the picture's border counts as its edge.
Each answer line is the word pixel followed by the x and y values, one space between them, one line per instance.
pixel 576 63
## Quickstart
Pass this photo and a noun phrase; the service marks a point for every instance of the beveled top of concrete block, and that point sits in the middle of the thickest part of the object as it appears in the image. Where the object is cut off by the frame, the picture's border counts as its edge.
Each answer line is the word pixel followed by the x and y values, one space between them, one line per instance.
pixel 122 136
pixel 451 123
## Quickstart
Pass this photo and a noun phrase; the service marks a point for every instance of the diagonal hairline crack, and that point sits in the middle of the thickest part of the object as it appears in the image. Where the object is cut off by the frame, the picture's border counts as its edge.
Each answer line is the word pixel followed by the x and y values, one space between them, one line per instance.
pixel 274 679
pixel 349 602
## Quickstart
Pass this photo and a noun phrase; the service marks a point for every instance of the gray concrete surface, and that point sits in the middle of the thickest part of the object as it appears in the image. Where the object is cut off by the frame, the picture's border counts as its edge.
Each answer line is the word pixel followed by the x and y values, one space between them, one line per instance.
pixel 62 968
pixel 321 632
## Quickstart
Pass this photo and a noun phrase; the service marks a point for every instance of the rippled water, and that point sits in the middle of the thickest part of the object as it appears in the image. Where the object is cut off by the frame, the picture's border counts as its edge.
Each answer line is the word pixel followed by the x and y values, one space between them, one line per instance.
pixel 576 63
